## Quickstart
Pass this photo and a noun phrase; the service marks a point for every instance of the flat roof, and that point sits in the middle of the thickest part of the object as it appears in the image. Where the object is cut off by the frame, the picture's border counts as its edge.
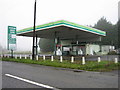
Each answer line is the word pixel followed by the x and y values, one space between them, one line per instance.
pixel 64 30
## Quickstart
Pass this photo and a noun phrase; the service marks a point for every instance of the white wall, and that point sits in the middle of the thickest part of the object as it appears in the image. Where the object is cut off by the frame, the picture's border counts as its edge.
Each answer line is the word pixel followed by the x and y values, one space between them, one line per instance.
pixel 90 48
pixel 107 48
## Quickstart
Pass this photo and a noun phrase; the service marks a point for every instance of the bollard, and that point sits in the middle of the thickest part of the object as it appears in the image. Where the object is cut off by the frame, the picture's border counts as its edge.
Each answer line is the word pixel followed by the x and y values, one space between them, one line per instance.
pixel 7 56
pixel 51 58
pixel 61 59
pixel 72 59
pixel 31 57
pixel 83 60
pixel 116 60
pixel 25 57
pixel 36 57
pixel 1 55
pixel 99 59
pixel 15 56
pixel 43 57
pixel 20 57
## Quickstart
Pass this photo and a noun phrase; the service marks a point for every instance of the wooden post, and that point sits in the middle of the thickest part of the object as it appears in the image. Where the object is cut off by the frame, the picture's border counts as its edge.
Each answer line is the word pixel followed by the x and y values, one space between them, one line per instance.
pixel 99 59
pixel 8 56
pixel 36 57
pixel 25 57
pixel 20 57
pixel 116 60
pixel 30 56
pixel 15 56
pixel 72 59
pixel 43 57
pixel 83 60
pixel 1 56
pixel 11 53
pixel 61 59
pixel 51 58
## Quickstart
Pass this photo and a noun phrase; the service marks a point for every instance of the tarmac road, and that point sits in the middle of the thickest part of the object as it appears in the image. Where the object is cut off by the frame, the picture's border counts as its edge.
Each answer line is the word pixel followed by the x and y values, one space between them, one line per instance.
pixel 18 75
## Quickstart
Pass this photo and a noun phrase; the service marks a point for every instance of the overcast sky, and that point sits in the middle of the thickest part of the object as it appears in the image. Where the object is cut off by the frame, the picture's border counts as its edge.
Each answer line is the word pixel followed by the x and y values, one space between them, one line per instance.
pixel 19 13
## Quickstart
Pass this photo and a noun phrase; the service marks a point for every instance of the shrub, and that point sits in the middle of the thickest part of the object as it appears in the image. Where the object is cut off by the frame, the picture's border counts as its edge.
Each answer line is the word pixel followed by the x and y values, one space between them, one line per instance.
pixel 112 53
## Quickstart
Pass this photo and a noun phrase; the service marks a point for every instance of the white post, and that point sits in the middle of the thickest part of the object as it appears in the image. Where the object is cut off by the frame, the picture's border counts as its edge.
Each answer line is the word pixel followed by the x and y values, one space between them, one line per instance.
pixel 25 57
pixel 116 60
pixel 51 58
pixel 31 57
pixel 20 57
pixel 8 56
pixel 43 57
pixel 72 59
pixel 1 55
pixel 83 60
pixel 99 59
pixel 15 56
pixel 61 59
pixel 36 57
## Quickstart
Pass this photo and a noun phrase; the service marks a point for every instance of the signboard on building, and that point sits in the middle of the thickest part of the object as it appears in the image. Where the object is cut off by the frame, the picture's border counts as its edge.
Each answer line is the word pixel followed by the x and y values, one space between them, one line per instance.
pixel 11 38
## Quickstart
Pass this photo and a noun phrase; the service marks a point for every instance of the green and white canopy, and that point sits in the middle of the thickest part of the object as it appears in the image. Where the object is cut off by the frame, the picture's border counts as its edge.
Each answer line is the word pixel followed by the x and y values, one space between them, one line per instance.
pixel 64 30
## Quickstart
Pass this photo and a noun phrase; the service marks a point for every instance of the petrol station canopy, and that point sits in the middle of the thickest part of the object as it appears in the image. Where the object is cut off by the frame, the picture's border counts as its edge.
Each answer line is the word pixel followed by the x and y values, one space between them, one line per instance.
pixel 64 30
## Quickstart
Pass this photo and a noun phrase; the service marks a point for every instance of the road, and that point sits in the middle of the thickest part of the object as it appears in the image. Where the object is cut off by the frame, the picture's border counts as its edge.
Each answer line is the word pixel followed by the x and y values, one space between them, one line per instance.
pixel 56 78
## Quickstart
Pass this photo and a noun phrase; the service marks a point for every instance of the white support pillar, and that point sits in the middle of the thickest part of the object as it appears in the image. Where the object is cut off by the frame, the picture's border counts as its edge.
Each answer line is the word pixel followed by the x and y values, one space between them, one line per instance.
pixel 20 57
pixel 72 59
pixel 36 57
pixel 43 57
pixel 83 60
pixel 51 58
pixel 31 57
pixel 61 59
pixel 25 57
pixel 99 59
pixel 116 60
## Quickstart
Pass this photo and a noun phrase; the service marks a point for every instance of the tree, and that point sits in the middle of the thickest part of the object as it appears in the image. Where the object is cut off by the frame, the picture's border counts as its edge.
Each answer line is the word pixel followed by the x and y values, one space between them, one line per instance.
pixel 46 45
pixel 111 38
pixel 118 28
pixel 111 32
pixel 103 24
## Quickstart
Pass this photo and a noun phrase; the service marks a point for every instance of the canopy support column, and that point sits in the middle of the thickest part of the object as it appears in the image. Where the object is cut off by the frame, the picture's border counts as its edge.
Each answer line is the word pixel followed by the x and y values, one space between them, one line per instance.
pixel 77 44
pixel 55 43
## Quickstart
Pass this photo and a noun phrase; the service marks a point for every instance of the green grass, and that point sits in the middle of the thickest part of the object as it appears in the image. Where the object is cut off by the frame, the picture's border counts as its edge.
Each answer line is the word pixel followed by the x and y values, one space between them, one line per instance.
pixel 89 66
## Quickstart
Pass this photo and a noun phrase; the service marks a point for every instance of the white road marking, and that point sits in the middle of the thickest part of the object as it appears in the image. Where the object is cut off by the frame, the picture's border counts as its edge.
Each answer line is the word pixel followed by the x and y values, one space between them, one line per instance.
pixel 29 81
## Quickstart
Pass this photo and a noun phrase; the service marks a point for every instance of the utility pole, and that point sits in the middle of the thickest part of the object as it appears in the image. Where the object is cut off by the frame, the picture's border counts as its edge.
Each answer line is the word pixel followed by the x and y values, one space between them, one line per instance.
pixel 34 33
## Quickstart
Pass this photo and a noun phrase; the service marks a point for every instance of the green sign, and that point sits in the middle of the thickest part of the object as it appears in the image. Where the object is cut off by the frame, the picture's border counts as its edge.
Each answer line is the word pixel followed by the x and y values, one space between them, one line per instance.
pixel 11 38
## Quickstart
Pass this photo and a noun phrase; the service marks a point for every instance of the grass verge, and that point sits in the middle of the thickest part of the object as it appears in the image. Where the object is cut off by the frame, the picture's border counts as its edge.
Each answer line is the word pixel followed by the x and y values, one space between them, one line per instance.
pixel 89 66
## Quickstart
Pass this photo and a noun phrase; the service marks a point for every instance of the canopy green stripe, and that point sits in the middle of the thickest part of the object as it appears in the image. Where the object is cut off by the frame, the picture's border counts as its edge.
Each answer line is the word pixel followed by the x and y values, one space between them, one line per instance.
pixel 63 22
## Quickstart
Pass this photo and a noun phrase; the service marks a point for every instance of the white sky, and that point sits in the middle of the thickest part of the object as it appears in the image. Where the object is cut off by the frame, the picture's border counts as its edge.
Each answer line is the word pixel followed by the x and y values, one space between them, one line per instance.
pixel 19 13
